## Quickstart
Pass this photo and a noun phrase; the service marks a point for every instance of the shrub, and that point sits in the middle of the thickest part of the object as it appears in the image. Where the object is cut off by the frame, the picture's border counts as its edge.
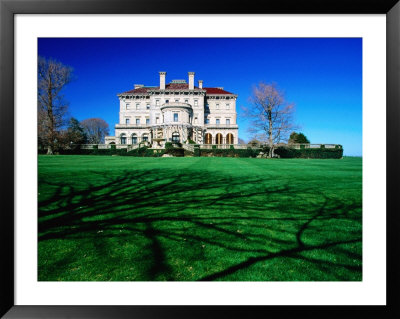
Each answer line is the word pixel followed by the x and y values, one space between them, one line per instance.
pixel 168 145
pixel 196 150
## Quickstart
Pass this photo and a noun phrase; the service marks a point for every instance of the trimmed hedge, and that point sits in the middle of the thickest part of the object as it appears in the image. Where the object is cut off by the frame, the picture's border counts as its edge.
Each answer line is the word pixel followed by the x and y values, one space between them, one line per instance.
pixel 249 152
pixel 176 151
pixel 93 152
pixel 145 152
pixel 285 152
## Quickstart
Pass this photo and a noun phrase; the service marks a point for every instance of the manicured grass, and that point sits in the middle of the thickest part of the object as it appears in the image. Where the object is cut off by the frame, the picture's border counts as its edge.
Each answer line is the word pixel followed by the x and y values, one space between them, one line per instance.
pixel 126 218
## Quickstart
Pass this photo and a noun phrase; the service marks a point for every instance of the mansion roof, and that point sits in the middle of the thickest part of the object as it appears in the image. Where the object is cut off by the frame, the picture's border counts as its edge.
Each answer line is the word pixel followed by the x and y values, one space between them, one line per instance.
pixel 177 86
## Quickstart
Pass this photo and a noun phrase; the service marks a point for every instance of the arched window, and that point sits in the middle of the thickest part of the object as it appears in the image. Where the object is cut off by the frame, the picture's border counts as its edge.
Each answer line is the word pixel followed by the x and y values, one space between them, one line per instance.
pixel 175 137
pixel 229 138
pixel 208 138
pixel 134 139
pixel 145 137
pixel 123 138
pixel 218 138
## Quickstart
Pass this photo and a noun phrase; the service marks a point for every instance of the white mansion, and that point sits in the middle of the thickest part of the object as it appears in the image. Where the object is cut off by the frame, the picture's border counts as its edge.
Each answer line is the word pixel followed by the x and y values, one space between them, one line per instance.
pixel 176 112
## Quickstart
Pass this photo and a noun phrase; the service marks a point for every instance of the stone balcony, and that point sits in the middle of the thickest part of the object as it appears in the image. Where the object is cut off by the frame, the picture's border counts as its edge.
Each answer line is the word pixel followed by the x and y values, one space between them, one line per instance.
pixel 232 126
pixel 176 105
pixel 126 126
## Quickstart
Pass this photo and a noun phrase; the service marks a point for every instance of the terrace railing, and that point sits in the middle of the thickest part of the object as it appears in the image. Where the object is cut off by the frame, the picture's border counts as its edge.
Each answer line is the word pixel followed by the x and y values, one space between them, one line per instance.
pixel 190 147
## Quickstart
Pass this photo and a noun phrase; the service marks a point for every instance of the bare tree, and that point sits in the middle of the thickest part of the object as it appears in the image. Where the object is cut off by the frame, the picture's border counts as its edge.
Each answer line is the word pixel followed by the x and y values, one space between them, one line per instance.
pixel 270 114
pixel 96 129
pixel 52 108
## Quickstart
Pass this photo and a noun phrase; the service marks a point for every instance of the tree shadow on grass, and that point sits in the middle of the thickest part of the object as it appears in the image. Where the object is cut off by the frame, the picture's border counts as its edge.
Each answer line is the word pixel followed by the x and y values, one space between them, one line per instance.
pixel 221 224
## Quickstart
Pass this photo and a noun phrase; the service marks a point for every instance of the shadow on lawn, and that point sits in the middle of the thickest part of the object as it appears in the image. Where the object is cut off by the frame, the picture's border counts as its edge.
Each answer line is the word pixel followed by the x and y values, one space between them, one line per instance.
pixel 256 220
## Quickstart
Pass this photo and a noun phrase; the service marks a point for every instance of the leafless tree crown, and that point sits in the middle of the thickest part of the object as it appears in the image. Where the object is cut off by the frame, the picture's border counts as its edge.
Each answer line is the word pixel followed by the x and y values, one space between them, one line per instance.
pixel 96 129
pixel 270 115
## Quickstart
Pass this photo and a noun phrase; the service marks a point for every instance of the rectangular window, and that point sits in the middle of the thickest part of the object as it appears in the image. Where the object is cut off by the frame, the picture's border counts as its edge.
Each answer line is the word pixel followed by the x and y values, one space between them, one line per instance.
pixel 137 121
pixel 126 121
pixel 227 106
pixel 216 121
pixel 228 121
pixel 147 106
pixel 217 106
pixel 175 117
pixel 137 106
pixel 157 102
pixel 128 105
pixel 195 120
pixel 186 101
pixel 196 102
pixel 147 121
pixel 207 121
pixel 157 120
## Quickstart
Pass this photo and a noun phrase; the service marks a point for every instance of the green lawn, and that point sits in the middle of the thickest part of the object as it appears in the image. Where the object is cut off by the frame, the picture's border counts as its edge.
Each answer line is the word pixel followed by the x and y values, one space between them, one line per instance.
pixel 126 218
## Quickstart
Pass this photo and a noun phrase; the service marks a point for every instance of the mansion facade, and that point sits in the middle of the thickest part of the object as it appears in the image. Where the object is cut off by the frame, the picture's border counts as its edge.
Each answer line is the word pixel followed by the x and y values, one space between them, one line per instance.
pixel 177 111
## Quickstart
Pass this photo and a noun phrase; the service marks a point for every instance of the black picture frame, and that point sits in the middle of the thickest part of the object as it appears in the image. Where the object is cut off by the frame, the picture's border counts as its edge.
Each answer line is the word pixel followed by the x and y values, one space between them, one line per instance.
pixel 9 8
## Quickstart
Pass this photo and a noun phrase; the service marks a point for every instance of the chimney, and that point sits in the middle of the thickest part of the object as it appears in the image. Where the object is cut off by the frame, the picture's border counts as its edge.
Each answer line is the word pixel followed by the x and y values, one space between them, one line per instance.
pixel 200 84
pixel 138 86
pixel 162 80
pixel 191 80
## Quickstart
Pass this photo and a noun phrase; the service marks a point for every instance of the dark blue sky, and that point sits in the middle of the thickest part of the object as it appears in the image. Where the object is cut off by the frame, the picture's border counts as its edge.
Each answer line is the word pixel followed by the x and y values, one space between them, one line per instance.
pixel 322 77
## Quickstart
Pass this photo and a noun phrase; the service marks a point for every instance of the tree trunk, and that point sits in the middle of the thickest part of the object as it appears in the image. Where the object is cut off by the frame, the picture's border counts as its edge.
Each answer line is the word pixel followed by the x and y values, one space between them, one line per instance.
pixel 271 140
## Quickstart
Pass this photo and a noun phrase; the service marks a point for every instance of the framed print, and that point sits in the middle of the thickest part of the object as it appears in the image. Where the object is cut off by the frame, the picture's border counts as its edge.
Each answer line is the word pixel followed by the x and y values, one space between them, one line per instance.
pixel 247 158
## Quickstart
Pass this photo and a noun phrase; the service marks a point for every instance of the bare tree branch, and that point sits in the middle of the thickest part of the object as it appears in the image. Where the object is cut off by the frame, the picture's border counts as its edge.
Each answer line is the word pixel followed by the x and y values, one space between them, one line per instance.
pixel 96 129
pixel 52 108
pixel 271 116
